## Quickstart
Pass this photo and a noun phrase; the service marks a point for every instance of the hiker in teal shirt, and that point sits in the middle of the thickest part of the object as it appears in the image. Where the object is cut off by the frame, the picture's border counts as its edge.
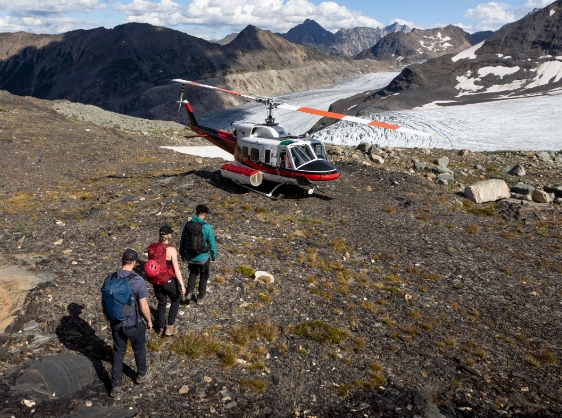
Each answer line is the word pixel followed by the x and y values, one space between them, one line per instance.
pixel 198 248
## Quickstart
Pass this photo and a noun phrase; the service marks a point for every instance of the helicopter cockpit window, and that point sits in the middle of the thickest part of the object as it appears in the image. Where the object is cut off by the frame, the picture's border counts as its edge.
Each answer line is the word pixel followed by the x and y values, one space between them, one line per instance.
pixel 245 152
pixel 255 154
pixel 301 154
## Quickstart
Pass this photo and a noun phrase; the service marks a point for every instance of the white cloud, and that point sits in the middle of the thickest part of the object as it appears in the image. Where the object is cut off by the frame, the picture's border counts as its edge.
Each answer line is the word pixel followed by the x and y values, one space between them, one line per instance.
pixel 27 8
pixel 275 15
pixel 491 16
pixel 532 4
pixel 8 24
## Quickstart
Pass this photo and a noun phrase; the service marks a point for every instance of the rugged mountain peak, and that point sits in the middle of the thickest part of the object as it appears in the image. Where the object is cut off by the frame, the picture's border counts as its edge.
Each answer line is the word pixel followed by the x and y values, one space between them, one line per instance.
pixel 418 45
pixel 309 32
pixel 397 27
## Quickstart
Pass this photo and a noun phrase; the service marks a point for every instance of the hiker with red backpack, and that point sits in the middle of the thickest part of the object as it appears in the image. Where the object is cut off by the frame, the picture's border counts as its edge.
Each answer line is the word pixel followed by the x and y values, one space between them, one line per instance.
pixel 198 248
pixel 163 272
pixel 124 304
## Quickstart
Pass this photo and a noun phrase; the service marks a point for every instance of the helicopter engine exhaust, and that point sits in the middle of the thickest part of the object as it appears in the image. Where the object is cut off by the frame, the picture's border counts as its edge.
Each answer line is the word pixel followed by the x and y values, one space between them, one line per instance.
pixel 244 175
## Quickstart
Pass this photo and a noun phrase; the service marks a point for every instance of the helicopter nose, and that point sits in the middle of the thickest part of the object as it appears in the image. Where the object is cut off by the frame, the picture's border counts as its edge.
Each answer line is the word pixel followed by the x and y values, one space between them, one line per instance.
pixel 318 166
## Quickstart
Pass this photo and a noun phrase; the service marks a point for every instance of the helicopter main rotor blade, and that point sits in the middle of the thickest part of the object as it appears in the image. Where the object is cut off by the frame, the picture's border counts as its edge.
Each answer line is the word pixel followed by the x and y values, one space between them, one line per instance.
pixel 341 116
pixel 235 93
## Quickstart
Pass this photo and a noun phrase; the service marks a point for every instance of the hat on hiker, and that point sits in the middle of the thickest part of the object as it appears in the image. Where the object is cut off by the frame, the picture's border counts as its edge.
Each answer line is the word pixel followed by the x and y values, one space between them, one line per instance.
pixel 130 255
pixel 166 230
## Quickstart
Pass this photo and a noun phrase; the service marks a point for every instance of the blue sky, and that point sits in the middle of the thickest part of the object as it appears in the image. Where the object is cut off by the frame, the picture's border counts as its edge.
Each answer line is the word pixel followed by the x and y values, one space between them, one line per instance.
pixel 214 19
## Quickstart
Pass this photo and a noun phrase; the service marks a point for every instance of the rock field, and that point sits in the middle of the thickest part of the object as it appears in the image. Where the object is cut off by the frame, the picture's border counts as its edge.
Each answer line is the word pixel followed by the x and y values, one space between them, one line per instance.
pixel 393 295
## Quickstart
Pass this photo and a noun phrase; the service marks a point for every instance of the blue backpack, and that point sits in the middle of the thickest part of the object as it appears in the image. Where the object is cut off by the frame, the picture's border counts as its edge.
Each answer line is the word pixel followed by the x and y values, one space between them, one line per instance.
pixel 116 298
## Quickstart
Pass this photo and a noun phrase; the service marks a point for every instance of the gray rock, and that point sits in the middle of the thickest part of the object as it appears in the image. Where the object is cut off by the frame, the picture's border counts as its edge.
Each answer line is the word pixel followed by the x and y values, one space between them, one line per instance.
pixel 556 189
pixel 522 188
pixel 506 169
pixel 541 197
pixel 465 152
pixel 462 173
pixel 478 167
pixel 558 200
pixel 30 326
pixel 447 177
pixel 558 159
pixel 543 156
pixel 334 150
pixel 487 191
pixel 444 170
pixel 383 155
pixel 442 182
pixel 377 159
pixel 518 171
pixel 426 151
pixel 442 161
pixel 420 165
pixel 431 411
pixel 363 146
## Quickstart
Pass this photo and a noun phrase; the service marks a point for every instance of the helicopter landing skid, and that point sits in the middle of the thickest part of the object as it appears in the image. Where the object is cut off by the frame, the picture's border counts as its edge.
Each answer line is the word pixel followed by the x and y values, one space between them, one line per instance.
pixel 269 195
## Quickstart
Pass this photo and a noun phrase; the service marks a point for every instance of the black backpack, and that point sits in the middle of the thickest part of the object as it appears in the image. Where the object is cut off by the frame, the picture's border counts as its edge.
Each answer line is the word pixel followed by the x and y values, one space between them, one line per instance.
pixel 193 242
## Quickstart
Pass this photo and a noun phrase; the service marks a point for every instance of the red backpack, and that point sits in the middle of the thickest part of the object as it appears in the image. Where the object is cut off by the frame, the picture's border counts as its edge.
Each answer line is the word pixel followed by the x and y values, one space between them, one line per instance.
pixel 161 274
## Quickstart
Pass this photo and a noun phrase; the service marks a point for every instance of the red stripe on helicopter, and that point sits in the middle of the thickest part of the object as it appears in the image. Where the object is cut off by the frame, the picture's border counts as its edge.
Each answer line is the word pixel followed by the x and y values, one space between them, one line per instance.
pixel 246 171
pixel 291 173
pixel 188 107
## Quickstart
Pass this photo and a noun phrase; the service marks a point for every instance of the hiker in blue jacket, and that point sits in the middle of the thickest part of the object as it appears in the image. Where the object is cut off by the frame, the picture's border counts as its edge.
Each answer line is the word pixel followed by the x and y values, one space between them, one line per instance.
pixel 132 328
pixel 199 258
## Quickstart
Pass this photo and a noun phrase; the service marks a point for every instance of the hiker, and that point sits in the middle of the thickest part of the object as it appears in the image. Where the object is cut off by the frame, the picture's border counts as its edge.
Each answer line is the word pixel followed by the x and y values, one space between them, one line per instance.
pixel 198 248
pixel 127 325
pixel 174 288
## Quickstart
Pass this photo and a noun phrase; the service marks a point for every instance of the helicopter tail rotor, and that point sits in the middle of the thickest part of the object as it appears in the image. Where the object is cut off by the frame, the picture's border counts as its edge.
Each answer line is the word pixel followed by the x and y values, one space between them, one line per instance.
pixel 180 102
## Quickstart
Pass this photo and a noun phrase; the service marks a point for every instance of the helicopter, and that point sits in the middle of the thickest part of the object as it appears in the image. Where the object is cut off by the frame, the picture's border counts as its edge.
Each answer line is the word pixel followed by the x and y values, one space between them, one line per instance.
pixel 265 151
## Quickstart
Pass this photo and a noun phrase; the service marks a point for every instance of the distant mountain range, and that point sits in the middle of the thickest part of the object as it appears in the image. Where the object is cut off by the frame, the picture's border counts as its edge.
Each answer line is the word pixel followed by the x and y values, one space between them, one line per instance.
pixel 523 58
pixel 345 42
pixel 127 69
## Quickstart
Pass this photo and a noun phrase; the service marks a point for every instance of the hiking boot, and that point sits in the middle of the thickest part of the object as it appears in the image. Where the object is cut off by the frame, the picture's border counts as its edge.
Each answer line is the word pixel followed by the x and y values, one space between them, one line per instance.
pixel 116 392
pixel 170 331
pixel 144 378
pixel 202 301
pixel 188 299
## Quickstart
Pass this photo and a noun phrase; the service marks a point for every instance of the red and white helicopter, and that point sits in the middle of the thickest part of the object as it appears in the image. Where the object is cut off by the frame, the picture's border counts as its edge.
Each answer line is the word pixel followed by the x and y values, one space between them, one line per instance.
pixel 267 152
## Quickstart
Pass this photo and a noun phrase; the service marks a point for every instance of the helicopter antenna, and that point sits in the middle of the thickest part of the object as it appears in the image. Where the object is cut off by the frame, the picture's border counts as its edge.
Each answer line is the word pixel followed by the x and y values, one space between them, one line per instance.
pixel 180 102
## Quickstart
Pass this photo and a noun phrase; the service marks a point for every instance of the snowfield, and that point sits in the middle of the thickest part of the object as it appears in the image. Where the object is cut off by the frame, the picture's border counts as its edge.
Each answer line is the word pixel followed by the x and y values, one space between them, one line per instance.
pixel 529 123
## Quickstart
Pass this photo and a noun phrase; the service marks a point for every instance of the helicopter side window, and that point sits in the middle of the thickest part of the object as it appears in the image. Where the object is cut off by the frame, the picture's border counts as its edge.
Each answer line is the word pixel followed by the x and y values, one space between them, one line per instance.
pixel 245 152
pixel 267 158
pixel 255 154
pixel 319 151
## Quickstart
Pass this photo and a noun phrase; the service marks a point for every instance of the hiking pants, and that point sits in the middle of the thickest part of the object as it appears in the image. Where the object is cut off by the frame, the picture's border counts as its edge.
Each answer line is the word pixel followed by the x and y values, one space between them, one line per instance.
pixel 201 270
pixel 136 335
pixel 169 290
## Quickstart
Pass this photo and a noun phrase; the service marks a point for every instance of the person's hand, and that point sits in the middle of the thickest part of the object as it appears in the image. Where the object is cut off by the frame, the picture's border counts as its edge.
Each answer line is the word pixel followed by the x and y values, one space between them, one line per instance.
pixel 212 261
pixel 182 289
pixel 149 325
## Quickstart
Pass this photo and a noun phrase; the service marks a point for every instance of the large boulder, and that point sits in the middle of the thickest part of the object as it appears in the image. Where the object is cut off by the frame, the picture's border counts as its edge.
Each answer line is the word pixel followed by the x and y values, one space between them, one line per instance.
pixel 487 191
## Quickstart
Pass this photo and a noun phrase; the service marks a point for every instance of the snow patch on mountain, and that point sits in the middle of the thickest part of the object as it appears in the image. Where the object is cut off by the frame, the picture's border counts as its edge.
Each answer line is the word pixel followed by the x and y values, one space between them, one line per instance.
pixel 469 53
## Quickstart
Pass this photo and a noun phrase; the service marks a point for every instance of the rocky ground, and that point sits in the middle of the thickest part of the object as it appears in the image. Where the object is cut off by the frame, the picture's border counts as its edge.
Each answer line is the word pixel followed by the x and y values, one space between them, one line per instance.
pixel 393 295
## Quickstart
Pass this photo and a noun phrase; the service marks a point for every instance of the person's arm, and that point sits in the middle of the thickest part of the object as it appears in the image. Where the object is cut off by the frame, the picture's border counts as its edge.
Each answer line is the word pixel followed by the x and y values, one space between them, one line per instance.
pixel 175 265
pixel 210 241
pixel 181 247
pixel 145 310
